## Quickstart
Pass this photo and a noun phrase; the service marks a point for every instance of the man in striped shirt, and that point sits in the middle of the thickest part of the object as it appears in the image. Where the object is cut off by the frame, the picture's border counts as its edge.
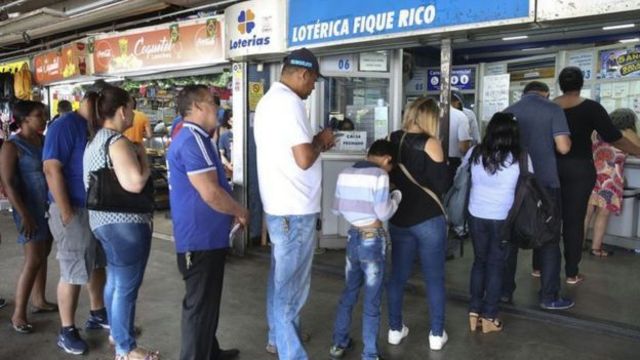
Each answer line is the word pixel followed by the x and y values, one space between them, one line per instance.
pixel 363 198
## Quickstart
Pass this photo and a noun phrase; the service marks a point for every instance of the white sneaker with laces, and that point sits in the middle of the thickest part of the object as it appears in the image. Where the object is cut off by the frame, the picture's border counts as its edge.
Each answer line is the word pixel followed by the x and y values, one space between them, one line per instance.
pixel 437 342
pixel 395 337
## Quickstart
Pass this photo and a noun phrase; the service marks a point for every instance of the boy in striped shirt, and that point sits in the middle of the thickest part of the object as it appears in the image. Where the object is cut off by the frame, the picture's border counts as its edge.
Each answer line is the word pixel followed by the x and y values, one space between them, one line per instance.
pixel 363 198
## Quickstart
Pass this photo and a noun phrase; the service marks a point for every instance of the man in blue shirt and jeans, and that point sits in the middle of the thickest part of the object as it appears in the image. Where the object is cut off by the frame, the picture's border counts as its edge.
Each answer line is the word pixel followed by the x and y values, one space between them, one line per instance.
pixel 543 131
pixel 82 260
pixel 203 212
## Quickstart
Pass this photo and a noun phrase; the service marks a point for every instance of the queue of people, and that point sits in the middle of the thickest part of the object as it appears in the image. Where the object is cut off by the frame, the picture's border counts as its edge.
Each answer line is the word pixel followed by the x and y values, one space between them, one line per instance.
pixel 105 244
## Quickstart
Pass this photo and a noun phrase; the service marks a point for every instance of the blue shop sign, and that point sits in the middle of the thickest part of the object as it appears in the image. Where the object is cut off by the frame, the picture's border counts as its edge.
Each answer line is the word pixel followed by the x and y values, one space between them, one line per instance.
pixel 461 78
pixel 347 21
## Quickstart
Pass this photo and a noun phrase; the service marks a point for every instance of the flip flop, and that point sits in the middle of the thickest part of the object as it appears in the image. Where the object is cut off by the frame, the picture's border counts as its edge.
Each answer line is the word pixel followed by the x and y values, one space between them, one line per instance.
pixel 3 303
pixel 23 328
pixel 50 309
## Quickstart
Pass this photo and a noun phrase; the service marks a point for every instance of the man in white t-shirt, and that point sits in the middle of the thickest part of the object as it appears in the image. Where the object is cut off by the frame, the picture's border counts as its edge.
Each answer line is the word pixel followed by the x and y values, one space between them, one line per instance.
pixel 290 177
pixel 459 139
pixel 457 102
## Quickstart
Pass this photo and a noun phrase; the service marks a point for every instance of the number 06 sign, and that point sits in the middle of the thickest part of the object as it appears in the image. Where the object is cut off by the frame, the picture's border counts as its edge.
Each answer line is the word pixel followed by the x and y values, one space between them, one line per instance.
pixel 342 64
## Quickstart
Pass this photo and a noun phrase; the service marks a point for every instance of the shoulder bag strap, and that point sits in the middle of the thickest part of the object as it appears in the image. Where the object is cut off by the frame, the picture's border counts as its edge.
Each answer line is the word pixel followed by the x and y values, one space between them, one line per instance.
pixel 523 163
pixel 107 161
pixel 406 173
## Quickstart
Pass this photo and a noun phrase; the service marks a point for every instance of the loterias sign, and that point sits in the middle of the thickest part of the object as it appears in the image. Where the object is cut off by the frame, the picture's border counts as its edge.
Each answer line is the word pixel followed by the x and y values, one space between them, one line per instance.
pixel 255 27
pixel 329 22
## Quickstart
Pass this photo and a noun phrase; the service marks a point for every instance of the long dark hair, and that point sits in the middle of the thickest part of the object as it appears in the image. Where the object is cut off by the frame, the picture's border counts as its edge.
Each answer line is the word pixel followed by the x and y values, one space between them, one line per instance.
pixel 501 140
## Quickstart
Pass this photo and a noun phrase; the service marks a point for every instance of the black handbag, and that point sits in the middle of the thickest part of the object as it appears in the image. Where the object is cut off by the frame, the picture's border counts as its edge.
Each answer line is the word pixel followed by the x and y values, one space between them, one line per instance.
pixel 106 194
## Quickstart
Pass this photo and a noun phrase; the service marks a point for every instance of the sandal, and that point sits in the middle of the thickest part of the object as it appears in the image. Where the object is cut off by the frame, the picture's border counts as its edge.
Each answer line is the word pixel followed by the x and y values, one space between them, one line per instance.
pixel 575 280
pixel 474 321
pixel 148 355
pixel 600 253
pixel 25 328
pixel 491 325
pixel 49 308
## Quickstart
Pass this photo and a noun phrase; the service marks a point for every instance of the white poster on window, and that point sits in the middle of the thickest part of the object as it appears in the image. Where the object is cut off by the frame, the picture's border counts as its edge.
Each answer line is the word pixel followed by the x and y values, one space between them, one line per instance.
pixel 374 61
pixel 584 60
pixel 381 122
pixel 351 140
pixel 496 69
pixel 495 94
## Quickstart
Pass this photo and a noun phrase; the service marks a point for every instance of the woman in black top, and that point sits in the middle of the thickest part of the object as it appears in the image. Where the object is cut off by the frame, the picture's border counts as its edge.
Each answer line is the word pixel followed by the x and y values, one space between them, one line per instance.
pixel 419 227
pixel 576 170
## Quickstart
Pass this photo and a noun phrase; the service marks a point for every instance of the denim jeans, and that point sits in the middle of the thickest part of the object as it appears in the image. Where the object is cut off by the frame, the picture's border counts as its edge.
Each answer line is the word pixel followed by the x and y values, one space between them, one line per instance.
pixel 427 240
pixel 292 245
pixel 546 259
pixel 127 248
pixel 488 266
pixel 365 264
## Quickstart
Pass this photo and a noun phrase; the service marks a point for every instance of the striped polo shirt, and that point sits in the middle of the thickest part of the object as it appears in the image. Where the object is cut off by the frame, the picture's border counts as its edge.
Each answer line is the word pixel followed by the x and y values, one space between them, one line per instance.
pixel 362 195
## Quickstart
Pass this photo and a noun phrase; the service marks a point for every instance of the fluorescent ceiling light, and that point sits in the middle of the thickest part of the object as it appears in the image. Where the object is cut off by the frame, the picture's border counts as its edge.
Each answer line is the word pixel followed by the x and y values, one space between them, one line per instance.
pixel 519 37
pixel 533 49
pixel 616 27
pixel 624 41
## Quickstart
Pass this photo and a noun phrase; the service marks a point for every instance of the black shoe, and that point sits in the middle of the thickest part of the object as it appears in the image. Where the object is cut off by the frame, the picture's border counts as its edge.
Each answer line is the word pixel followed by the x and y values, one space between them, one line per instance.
pixel 505 299
pixel 3 303
pixel 228 354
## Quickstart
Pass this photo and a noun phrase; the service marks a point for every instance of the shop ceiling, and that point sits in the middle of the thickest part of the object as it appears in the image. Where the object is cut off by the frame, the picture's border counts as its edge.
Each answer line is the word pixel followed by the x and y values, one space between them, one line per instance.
pixel 24 23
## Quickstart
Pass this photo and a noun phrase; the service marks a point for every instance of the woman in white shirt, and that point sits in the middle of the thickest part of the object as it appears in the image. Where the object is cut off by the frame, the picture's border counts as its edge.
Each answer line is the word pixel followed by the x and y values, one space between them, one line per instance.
pixel 494 174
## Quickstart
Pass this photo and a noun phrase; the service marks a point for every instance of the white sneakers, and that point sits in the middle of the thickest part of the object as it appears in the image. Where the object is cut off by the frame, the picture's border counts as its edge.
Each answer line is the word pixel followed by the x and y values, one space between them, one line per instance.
pixel 437 342
pixel 395 337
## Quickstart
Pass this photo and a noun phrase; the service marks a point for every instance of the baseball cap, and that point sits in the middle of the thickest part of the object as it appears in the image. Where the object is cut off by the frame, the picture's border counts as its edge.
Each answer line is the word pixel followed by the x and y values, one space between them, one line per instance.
pixel 458 95
pixel 303 58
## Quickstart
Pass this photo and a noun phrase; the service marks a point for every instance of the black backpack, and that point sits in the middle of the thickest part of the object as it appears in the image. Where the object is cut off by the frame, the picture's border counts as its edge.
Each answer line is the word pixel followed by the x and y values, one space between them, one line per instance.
pixel 533 220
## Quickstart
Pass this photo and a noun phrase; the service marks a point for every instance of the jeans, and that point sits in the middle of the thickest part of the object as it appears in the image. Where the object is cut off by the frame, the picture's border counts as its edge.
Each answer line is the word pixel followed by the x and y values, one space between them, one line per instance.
pixel 428 240
pixel 488 266
pixel 365 264
pixel 547 258
pixel 577 179
pixel 293 242
pixel 203 280
pixel 127 248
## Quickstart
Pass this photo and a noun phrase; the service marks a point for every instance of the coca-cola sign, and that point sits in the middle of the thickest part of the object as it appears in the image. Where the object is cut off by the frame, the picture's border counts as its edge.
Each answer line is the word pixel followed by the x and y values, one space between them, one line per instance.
pixel 66 62
pixel 162 47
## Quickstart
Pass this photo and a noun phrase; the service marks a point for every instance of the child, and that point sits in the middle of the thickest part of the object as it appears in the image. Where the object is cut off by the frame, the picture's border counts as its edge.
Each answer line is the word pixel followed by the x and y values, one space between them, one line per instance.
pixel 362 197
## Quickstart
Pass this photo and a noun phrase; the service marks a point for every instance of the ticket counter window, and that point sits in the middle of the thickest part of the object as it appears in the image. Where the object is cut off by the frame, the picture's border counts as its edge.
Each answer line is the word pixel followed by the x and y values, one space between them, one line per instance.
pixel 357 109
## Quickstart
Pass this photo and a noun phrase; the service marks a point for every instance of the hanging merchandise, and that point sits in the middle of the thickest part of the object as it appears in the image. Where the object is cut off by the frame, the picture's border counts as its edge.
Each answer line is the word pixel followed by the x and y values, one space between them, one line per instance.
pixel 6 86
pixel 22 83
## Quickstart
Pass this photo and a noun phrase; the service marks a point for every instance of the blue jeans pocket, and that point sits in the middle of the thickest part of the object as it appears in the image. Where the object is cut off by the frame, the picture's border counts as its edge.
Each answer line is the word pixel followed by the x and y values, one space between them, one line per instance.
pixel 372 250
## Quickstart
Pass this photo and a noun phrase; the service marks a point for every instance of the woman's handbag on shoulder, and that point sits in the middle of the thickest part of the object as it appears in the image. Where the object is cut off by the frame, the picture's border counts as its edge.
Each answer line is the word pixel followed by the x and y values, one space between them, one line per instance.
pixel 106 194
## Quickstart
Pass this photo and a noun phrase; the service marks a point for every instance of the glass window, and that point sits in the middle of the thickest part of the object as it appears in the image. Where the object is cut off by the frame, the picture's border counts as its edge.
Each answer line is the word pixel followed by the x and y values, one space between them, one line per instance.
pixel 358 110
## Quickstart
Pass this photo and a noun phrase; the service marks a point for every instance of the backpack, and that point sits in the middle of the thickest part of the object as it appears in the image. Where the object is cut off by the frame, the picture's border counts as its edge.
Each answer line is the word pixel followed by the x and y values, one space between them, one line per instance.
pixel 456 201
pixel 533 220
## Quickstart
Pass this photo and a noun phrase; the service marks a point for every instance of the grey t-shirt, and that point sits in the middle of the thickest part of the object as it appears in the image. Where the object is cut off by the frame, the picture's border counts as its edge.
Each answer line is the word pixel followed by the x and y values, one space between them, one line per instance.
pixel 94 159
pixel 540 121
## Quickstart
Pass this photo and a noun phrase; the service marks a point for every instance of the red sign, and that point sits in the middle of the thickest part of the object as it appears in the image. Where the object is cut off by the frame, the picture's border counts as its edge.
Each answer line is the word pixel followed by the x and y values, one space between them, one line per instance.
pixel 163 47
pixel 64 63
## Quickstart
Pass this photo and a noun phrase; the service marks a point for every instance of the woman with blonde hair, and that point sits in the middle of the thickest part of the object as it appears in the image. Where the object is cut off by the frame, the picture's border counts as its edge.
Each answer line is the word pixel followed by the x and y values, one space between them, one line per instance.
pixel 419 227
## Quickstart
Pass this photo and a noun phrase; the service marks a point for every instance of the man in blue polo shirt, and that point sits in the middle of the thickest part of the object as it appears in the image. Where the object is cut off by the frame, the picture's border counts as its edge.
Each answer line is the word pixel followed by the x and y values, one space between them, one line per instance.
pixel 203 212
pixel 82 260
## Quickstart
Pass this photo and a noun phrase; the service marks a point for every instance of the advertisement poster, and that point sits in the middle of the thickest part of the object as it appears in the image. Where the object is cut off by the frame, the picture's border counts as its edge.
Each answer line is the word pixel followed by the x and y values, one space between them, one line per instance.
pixel 168 46
pixel 620 63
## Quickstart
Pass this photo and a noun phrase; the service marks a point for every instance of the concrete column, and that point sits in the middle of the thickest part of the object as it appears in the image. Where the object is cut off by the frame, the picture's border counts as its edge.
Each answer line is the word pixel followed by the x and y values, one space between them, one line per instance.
pixel 445 93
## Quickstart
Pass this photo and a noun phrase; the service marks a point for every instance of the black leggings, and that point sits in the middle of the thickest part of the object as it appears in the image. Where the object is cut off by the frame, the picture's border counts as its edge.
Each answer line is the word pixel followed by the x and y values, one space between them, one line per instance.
pixel 577 179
